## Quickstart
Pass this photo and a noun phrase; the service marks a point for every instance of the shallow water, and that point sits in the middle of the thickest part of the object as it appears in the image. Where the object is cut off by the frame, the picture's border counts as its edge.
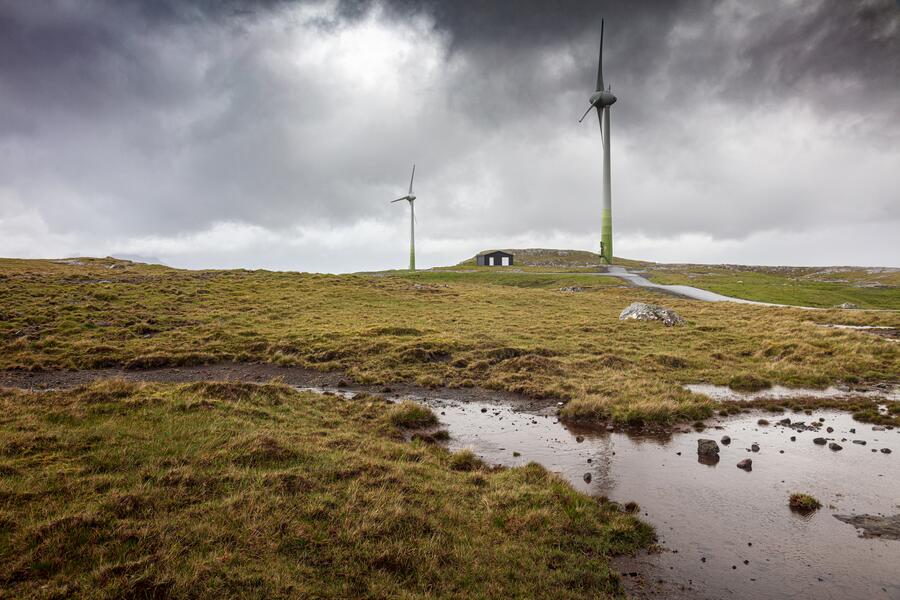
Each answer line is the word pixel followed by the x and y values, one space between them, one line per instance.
pixel 715 512
pixel 723 392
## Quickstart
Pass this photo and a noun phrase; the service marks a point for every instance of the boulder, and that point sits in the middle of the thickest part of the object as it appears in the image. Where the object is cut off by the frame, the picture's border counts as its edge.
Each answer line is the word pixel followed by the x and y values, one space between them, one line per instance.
pixel 726 440
pixel 820 441
pixel 745 464
pixel 641 311
pixel 707 447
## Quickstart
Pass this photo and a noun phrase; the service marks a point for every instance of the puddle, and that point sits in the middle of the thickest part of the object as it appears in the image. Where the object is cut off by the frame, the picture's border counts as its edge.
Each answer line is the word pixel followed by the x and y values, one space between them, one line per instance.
pixel 778 392
pixel 711 518
pixel 891 334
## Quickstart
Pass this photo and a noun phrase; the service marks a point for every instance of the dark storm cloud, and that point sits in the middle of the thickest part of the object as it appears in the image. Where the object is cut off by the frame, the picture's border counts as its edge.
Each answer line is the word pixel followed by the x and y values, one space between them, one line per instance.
pixel 161 118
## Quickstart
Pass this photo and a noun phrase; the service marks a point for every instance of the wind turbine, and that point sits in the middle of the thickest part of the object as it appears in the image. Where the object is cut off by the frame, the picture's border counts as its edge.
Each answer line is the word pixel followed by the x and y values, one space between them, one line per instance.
pixel 602 99
pixel 411 198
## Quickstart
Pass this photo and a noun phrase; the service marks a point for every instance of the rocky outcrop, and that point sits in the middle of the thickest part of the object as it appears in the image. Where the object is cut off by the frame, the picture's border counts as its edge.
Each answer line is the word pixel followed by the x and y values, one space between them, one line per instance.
pixel 707 447
pixel 874 525
pixel 641 311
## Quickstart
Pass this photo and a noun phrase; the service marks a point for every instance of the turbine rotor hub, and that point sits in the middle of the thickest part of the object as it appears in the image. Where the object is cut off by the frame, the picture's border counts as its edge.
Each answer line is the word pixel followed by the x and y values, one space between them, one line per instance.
pixel 603 98
pixel 411 197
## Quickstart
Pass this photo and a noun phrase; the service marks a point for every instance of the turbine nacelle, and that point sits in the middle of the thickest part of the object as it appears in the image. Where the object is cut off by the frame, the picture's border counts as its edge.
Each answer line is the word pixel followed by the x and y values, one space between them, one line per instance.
pixel 602 98
pixel 411 197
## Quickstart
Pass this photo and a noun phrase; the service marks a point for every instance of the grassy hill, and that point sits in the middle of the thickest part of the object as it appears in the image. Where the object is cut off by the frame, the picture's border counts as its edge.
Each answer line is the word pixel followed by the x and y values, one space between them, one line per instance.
pixel 824 287
pixel 546 259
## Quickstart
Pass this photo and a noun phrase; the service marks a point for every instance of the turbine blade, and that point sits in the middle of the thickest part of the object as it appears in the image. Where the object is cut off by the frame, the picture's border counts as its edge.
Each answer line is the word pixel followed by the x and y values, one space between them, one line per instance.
pixel 413 176
pixel 398 199
pixel 600 117
pixel 586 113
pixel 600 61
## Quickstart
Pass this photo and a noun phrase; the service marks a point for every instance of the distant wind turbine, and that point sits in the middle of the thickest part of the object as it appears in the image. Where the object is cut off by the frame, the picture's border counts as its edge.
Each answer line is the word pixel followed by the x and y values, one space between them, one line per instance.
pixel 602 99
pixel 411 198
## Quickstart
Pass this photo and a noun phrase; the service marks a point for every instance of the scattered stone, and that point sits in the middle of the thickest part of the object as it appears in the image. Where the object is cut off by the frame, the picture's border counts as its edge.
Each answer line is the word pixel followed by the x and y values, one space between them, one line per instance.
pixel 829 429
pixel 835 446
pixel 641 311
pixel 745 464
pixel 587 477
pixel 590 460
pixel 821 419
pixel 484 410
pixel 579 438
pixel 878 428
pixel 885 450
pixel 762 422
pixel 820 441
pixel 520 454
pixel 706 447
pixel 754 447
pixel 874 525
pixel 793 438
pixel 785 422
pixel 852 430
pixel 860 442
pixel 726 440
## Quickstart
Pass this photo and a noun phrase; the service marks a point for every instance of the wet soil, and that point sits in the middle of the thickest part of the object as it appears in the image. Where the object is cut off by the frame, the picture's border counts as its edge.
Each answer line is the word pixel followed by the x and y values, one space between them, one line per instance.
pixel 261 373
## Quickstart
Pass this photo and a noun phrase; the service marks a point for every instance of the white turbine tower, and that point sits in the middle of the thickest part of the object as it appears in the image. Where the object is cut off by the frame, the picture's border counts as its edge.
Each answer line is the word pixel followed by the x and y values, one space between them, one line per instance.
pixel 411 198
pixel 602 99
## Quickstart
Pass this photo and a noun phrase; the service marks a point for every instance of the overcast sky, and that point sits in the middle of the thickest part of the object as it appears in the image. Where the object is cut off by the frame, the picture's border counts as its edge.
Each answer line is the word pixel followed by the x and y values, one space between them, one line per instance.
pixel 273 134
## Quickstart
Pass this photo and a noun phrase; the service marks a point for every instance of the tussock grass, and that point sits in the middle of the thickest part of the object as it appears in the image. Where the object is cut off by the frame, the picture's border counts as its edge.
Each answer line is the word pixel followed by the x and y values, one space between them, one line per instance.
pixel 410 415
pixel 803 502
pixel 458 333
pixel 123 490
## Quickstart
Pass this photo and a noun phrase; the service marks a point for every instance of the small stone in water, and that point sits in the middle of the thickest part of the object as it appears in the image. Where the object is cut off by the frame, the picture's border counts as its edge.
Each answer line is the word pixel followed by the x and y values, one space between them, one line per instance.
pixel 726 440
pixel 860 442
pixel 762 422
pixel 587 478
pixel 829 429
pixel 835 446
pixel 754 447
pixel 793 438
pixel 745 464
pixel 820 441
pixel 885 450
pixel 579 439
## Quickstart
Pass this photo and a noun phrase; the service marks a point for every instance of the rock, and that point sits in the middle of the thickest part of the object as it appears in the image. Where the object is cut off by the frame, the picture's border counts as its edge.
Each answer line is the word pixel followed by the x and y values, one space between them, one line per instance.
pixel 860 442
pixel 821 419
pixel 579 438
pixel 726 440
pixel 835 446
pixel 484 410
pixel 641 311
pixel 820 441
pixel 885 450
pixel 852 430
pixel 762 422
pixel 845 305
pixel 874 526
pixel 793 438
pixel 878 428
pixel 587 478
pixel 745 464
pixel 707 447
pixel 829 429
pixel 785 422
pixel 754 447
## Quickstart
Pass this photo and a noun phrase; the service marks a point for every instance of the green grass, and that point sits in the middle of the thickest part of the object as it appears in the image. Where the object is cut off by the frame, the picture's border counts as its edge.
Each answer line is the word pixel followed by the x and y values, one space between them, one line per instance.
pixel 233 490
pixel 797 287
pixel 803 503
pixel 524 279
pixel 456 332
